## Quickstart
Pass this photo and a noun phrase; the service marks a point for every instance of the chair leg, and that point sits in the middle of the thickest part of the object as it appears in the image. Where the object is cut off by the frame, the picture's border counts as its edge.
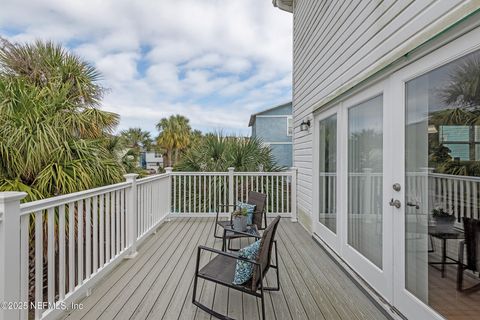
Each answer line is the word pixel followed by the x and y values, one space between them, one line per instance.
pixel 277 288
pixel 263 304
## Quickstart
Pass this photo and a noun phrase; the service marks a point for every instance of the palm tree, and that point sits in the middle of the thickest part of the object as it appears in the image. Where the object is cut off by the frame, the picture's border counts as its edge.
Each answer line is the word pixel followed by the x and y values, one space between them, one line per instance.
pixel 136 138
pixel 216 152
pixel 52 133
pixel 174 136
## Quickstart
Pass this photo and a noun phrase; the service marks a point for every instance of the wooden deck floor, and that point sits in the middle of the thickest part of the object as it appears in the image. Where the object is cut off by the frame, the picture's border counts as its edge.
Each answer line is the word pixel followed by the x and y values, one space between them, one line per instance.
pixel 157 284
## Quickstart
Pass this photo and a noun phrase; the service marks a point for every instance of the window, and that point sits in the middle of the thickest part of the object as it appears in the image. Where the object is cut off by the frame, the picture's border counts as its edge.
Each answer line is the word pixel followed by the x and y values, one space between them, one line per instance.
pixel 289 126
pixel 463 141
pixel 158 154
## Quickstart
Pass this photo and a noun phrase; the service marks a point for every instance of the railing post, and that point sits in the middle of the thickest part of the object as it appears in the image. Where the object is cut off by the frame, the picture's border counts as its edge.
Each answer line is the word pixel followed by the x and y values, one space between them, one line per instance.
pixel 294 217
pixel 10 252
pixel 131 214
pixel 230 186
pixel 168 170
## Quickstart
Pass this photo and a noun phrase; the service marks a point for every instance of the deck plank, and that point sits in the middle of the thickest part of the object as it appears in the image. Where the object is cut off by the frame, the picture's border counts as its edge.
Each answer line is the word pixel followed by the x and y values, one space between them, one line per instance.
pixel 99 299
pixel 148 301
pixel 343 288
pixel 122 300
pixel 181 289
pixel 158 283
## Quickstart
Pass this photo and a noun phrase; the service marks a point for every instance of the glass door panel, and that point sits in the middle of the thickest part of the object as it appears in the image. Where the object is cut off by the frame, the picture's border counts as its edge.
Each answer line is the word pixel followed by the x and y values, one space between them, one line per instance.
pixel 328 173
pixel 442 186
pixel 365 179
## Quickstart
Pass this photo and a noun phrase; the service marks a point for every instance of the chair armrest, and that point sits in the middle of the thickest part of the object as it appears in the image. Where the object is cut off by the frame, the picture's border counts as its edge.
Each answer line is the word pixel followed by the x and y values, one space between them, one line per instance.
pixel 461 246
pixel 227 254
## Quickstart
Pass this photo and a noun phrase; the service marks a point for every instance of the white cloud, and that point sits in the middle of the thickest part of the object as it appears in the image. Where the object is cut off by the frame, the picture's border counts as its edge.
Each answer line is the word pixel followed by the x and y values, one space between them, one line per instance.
pixel 159 57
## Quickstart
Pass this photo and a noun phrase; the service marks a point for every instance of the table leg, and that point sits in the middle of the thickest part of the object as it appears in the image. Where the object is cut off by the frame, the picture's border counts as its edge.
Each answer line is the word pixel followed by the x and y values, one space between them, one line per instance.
pixel 223 241
pixel 444 256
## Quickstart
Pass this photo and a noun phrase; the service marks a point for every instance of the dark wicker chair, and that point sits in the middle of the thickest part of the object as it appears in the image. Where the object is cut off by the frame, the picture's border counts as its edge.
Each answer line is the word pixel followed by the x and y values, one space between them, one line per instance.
pixel 471 243
pixel 259 215
pixel 221 270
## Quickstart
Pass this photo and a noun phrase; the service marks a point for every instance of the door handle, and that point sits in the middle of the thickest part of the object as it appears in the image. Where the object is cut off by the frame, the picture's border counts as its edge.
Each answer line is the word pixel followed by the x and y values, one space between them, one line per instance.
pixel 395 203
pixel 411 204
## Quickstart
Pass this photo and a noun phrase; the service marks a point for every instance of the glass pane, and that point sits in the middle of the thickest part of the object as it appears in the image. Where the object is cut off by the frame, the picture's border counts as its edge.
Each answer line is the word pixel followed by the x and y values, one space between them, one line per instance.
pixel 328 173
pixel 442 184
pixel 365 178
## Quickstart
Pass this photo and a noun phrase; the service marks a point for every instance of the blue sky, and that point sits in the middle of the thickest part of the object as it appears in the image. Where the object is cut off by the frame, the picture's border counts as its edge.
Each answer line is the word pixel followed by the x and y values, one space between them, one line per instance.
pixel 214 61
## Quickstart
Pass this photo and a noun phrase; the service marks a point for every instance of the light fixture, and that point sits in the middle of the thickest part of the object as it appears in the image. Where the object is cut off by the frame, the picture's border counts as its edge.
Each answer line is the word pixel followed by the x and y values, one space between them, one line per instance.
pixel 305 125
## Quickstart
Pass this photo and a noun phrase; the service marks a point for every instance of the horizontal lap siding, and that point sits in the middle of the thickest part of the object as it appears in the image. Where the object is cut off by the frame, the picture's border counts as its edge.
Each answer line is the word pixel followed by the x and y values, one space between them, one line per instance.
pixel 336 41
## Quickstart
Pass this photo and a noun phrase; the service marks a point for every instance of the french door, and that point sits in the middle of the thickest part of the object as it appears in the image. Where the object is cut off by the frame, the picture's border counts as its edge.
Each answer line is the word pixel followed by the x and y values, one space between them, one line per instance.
pixel 353 215
pixel 390 159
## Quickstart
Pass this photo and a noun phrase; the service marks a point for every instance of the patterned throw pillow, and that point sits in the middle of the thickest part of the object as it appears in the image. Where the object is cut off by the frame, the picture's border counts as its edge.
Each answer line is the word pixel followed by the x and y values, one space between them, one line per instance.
pixel 244 269
pixel 250 209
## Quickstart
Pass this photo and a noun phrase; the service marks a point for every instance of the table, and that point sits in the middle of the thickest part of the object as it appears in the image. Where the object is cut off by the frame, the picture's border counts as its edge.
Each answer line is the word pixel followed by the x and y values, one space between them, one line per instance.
pixel 229 233
pixel 444 236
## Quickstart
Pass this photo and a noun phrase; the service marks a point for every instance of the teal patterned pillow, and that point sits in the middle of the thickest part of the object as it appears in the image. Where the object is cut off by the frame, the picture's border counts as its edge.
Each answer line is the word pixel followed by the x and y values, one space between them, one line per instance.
pixel 250 209
pixel 244 269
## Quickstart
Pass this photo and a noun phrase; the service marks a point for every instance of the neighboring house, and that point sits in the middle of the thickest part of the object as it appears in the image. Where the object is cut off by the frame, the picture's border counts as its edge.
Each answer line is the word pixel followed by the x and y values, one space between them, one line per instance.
pixel 153 160
pixel 274 127
pixel 374 84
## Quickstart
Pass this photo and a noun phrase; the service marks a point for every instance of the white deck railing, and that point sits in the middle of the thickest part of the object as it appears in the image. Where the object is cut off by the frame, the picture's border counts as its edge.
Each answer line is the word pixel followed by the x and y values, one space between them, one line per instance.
pixel 52 251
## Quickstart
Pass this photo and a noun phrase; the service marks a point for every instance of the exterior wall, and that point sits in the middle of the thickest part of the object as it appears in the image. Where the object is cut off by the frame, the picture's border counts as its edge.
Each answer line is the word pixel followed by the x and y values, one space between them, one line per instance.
pixel 283 154
pixel 272 127
pixel 338 44
pixel 152 161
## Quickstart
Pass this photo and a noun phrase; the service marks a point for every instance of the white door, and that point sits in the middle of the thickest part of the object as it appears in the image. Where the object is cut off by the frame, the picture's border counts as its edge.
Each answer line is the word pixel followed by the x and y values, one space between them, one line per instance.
pixel 366 179
pixel 436 103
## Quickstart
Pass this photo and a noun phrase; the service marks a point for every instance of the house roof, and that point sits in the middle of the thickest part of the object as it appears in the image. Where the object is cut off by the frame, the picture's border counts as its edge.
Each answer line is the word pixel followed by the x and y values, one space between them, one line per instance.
pixel 285 5
pixel 253 116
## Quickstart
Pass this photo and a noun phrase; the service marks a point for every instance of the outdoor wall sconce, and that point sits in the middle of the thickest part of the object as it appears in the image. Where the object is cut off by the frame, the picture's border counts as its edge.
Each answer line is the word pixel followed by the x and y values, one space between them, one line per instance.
pixel 305 125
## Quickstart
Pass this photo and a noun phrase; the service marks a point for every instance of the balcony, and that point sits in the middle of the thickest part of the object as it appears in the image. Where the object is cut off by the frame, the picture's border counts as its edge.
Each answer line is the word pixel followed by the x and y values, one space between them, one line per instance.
pixel 127 251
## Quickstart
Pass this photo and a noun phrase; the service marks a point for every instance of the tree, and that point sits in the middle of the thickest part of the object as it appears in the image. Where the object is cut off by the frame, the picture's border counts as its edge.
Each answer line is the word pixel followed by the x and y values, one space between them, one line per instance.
pixel 137 139
pixel 216 152
pixel 52 133
pixel 174 136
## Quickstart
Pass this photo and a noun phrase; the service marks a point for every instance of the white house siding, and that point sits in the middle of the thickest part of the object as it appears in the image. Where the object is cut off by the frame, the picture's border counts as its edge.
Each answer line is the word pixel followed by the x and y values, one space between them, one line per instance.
pixel 336 43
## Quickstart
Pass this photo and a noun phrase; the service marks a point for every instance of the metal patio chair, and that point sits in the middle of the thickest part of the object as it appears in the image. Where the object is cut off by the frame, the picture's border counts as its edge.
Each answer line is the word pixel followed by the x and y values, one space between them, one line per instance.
pixel 221 270
pixel 259 215
pixel 471 228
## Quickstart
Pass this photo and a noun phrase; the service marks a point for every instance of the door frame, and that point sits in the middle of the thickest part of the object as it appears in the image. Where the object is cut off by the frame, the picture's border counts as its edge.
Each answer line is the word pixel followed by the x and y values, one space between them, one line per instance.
pixel 406 302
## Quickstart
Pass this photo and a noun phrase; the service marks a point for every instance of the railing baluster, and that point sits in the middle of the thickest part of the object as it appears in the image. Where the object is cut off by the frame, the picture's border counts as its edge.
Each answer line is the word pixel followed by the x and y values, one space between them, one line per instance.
pixel 51 254
pixel 189 193
pixel 215 194
pixel 102 231
pixel 107 227
pixel 95 234
pixel 38 262
pixel 117 222
pixel 25 262
pixel 112 225
pixel 204 193
pixel 194 193
pixel 71 246
pixel 88 239
pixel 122 220
pixel 282 207
pixel 80 242
pixel 61 252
